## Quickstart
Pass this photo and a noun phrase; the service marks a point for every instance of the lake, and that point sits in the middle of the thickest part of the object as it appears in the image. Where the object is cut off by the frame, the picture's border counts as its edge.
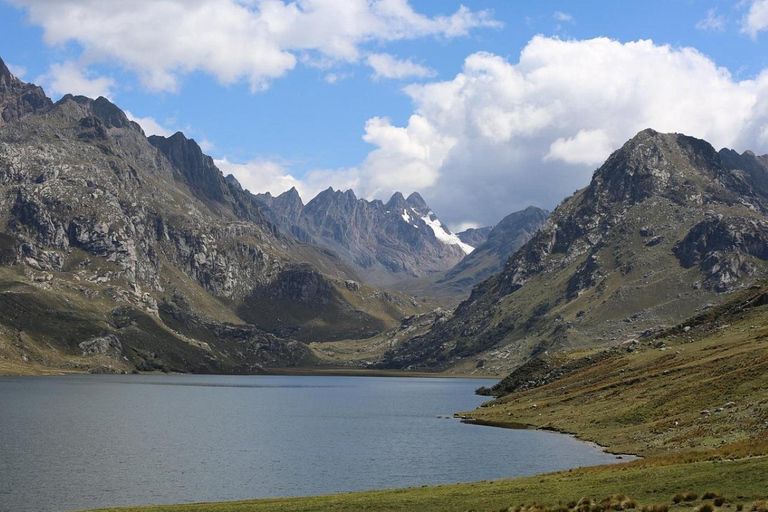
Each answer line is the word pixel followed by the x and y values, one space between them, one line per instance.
pixel 87 441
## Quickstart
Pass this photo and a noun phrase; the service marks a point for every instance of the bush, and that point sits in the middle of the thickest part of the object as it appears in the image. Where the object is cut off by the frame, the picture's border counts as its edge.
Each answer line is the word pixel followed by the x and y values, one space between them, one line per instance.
pixel 655 508
pixel 690 496
pixel 677 498
pixel 711 495
pixel 719 501
pixel 705 507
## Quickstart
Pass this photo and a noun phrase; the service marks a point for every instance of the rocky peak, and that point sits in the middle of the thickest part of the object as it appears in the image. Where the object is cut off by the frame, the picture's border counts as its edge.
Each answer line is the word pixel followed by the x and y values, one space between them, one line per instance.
pixel 653 163
pixel 198 170
pixel 396 202
pixel 417 202
pixel 475 236
pixel 5 74
pixel 19 99
pixel 330 200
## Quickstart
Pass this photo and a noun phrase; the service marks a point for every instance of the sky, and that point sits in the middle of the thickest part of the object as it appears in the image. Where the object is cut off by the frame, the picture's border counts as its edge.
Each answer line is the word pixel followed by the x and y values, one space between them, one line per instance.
pixel 484 107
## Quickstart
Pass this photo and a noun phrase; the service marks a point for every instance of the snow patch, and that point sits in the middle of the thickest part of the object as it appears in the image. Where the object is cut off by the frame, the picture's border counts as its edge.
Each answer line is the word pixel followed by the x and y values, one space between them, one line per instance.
pixel 406 217
pixel 444 235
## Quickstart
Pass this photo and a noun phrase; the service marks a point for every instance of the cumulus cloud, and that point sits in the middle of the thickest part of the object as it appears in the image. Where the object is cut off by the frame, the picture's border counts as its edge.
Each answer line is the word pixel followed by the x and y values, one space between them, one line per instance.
pixel 151 126
pixel 756 19
pixel 713 21
pixel 387 66
pixel 587 147
pixel 234 40
pixel 260 176
pixel 71 78
pixel 501 135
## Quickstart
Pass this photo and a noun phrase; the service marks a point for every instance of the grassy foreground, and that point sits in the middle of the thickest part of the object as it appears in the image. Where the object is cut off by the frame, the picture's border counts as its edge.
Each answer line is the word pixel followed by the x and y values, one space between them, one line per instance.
pixel 741 481
pixel 694 403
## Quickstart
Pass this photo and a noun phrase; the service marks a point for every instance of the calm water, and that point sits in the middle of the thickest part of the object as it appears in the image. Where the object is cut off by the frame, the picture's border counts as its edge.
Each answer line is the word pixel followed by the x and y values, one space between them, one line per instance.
pixel 94 441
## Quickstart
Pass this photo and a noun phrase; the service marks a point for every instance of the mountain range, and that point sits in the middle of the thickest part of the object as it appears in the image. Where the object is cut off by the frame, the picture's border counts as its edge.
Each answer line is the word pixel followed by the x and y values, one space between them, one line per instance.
pixel 121 252
pixel 384 242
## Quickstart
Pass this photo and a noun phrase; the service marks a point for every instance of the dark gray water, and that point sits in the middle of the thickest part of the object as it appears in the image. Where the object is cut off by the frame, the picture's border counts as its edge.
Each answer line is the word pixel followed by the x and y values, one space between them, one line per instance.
pixel 95 441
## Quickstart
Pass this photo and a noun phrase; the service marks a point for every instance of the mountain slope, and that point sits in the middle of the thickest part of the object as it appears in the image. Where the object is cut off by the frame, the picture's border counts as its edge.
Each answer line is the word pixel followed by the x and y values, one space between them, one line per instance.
pixel 662 230
pixel 149 258
pixel 500 242
pixel 503 240
pixel 695 386
pixel 385 243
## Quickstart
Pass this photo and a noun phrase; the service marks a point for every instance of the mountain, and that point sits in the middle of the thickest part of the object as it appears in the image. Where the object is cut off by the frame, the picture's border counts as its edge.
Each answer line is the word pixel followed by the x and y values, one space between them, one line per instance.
pixel 475 236
pixel 19 99
pixel 119 252
pixel 384 242
pixel 663 230
pixel 502 241
pixel 753 167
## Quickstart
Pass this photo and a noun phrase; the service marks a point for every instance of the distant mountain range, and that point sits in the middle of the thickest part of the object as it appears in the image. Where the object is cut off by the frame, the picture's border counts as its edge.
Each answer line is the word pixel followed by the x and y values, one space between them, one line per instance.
pixel 385 242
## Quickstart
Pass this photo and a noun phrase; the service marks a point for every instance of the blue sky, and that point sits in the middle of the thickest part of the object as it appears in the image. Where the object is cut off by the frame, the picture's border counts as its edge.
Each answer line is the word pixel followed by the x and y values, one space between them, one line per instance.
pixel 305 124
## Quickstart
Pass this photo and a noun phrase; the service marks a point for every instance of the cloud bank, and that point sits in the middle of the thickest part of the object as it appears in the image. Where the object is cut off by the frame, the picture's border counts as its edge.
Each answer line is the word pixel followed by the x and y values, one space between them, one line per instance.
pixel 234 40
pixel 502 135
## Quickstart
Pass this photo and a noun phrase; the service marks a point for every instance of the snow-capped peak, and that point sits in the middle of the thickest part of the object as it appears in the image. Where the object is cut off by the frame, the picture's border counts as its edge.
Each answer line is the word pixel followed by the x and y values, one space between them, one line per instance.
pixel 444 235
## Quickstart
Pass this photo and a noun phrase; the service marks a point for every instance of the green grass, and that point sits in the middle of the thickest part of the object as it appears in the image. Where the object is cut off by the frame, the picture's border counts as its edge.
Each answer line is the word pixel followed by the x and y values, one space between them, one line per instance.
pixel 739 481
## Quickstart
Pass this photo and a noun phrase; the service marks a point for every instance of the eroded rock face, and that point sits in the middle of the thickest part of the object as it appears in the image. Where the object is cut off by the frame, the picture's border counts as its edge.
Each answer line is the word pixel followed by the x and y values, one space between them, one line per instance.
pixel 724 249
pixel 625 254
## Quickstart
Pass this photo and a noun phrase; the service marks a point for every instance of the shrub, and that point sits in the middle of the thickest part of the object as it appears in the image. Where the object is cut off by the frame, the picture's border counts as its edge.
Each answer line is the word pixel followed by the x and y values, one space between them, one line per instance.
pixel 705 507
pixel 655 508
pixel 739 507
pixel 690 496
pixel 677 498
pixel 711 495
pixel 719 501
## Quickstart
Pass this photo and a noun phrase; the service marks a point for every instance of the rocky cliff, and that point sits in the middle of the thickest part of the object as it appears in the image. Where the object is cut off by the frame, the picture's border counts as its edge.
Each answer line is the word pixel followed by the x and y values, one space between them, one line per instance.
pixel 665 229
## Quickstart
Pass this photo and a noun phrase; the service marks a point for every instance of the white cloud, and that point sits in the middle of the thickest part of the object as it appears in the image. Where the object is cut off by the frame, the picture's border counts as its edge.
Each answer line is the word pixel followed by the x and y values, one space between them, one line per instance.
pixel 563 16
pixel 502 135
pixel 756 19
pixel 259 176
pixel 17 71
pixel 588 147
pixel 387 66
pixel 72 78
pixel 206 145
pixel 234 40
pixel 334 78
pixel 713 21
pixel 150 125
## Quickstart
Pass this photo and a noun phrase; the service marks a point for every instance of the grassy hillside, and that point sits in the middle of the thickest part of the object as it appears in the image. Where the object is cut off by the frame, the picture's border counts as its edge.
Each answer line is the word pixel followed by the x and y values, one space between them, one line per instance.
pixel 698 386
